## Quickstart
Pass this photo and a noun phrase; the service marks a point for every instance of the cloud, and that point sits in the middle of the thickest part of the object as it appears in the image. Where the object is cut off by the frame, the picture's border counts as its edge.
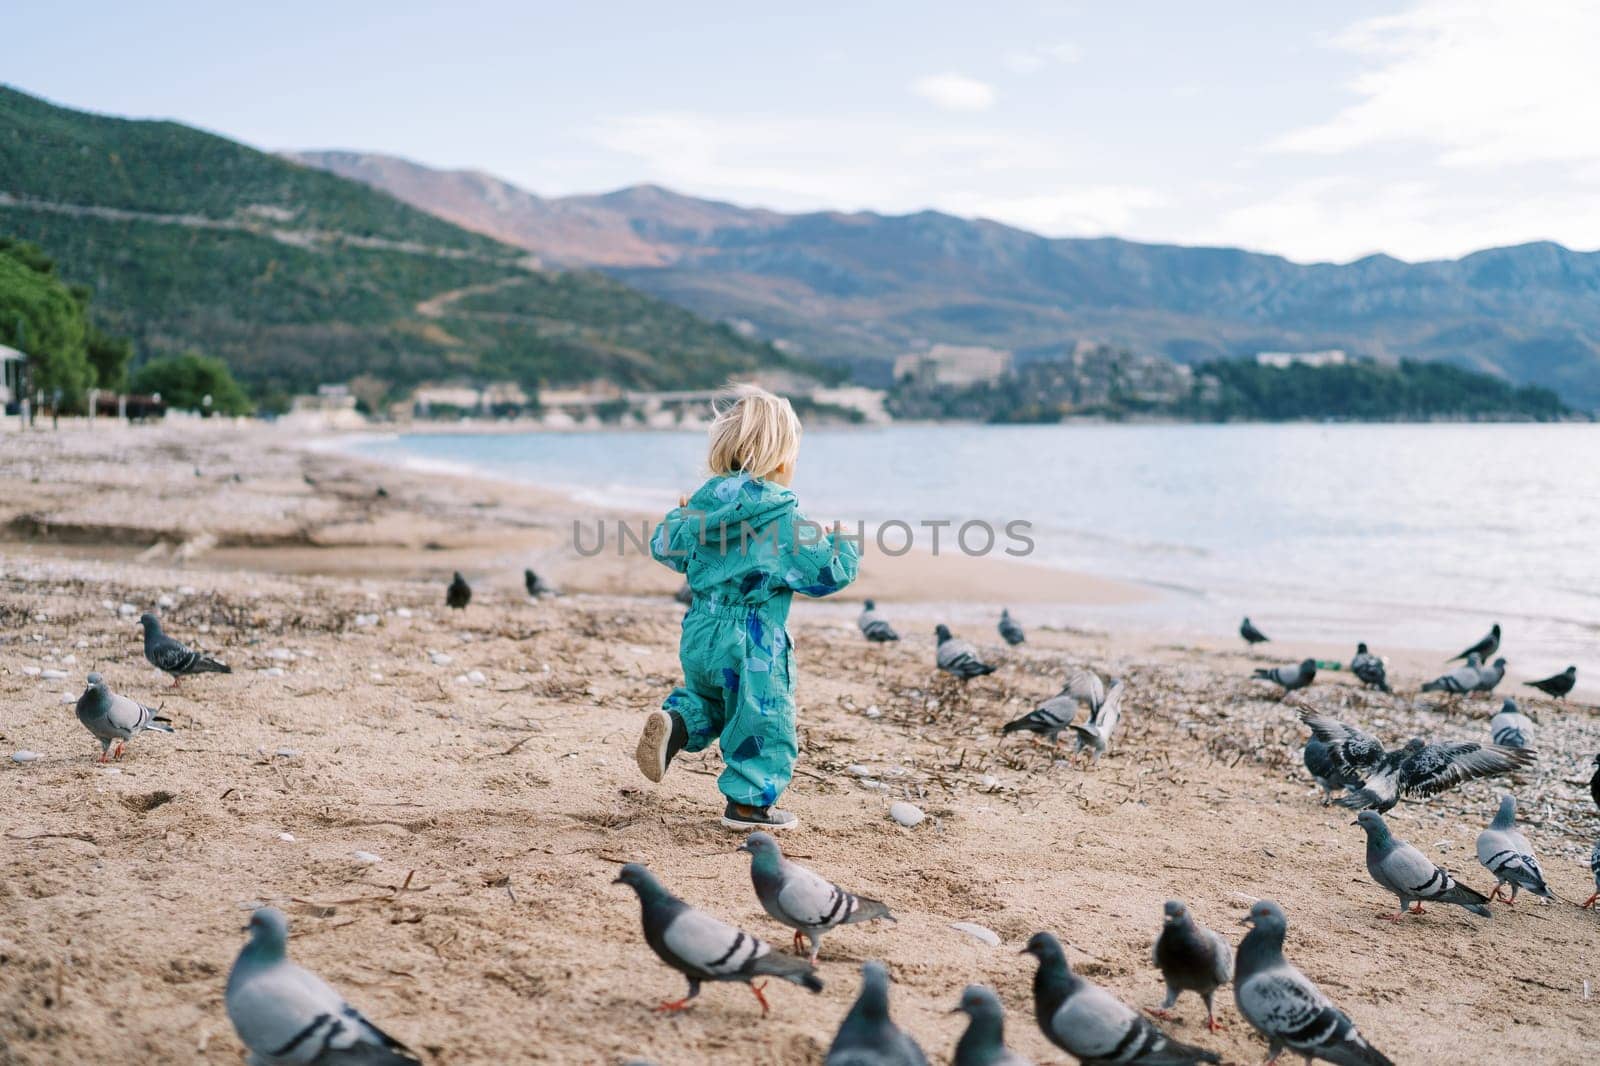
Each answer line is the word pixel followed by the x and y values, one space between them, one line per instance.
pixel 1483 84
pixel 1031 60
pixel 1344 218
pixel 874 162
pixel 955 92
pixel 1096 210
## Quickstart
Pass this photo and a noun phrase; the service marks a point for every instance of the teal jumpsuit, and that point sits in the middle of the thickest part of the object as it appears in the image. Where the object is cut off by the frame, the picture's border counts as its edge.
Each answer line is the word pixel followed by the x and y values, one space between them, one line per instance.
pixel 746 551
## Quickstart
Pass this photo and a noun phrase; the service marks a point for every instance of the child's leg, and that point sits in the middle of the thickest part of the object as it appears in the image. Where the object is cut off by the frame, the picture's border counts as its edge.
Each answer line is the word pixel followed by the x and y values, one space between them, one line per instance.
pixel 759 745
pixel 692 715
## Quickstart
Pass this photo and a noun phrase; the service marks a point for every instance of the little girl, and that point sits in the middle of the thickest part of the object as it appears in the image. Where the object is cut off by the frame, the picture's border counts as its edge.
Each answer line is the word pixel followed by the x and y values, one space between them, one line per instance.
pixel 746 551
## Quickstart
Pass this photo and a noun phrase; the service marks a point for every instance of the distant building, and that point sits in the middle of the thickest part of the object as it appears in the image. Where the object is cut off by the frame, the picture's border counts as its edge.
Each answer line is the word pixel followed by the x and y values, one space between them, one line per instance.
pixel 1281 360
pixel 13 365
pixel 953 365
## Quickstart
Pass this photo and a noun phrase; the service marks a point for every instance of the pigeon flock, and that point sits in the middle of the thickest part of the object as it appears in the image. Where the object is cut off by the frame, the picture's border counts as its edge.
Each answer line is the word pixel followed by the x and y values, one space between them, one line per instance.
pixel 284 1013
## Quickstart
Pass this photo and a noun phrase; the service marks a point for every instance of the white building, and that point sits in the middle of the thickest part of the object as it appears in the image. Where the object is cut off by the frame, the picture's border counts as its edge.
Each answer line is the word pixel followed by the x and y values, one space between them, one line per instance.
pixel 12 364
pixel 952 364
pixel 1281 360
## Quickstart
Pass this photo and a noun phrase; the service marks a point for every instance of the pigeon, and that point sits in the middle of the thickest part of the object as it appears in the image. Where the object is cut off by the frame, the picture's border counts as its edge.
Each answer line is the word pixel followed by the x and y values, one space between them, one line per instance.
pixel 1461 680
pixel 959 658
pixel 805 902
pixel 1326 769
pixel 535 586
pixel 1284 1006
pixel 1091 1024
pixel 286 1014
pixel 1191 958
pixel 1510 727
pixel 873 626
pixel 702 948
pixel 1489 676
pixel 1289 678
pixel 1558 685
pixel 115 719
pixel 1594 782
pixel 1251 634
pixel 459 593
pixel 1411 875
pixel 1095 734
pixel 1368 669
pixel 1594 868
pixel 684 595
pixel 1010 632
pixel 867 1037
pixel 171 657
pixel 1506 853
pixel 1419 768
pixel 1484 648
pixel 1056 713
pixel 984 1042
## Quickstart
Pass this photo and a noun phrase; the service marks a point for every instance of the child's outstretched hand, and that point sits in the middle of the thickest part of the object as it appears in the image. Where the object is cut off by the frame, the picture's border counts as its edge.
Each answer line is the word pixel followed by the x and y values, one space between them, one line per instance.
pixel 683 501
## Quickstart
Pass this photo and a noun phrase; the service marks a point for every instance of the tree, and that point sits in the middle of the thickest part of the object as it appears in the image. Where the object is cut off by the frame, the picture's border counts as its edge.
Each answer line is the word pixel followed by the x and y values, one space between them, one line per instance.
pixel 41 317
pixel 110 356
pixel 184 381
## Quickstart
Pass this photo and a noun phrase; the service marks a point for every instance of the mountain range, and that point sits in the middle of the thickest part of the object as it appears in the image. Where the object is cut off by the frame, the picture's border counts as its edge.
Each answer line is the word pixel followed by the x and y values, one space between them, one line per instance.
pixel 297 276
pixel 862 288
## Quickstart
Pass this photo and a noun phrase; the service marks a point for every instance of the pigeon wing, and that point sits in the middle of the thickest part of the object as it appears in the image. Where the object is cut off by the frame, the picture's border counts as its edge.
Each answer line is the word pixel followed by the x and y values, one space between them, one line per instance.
pixel 810 899
pixel 1438 767
pixel 1085 686
pixel 1355 750
pixel 168 656
pixel 710 946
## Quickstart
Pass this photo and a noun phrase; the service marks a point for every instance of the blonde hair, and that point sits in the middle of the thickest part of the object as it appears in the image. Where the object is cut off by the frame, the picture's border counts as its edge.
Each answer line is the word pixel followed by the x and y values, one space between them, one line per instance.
pixel 754 432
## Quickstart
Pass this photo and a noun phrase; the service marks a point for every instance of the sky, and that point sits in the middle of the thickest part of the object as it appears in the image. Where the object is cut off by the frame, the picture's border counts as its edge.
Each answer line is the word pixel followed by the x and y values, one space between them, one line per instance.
pixel 1417 128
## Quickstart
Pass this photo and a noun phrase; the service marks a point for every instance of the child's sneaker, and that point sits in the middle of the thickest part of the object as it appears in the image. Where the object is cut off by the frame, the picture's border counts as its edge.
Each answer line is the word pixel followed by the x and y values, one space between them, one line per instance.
pixel 738 816
pixel 663 737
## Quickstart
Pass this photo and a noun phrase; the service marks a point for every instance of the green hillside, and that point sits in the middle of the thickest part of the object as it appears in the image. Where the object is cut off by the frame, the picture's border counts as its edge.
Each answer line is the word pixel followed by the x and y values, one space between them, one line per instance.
pixel 295 276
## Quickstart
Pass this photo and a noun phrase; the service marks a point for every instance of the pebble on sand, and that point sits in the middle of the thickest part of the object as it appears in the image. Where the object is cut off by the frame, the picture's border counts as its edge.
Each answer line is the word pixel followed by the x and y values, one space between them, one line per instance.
pixel 907 814
pixel 977 932
pixel 25 756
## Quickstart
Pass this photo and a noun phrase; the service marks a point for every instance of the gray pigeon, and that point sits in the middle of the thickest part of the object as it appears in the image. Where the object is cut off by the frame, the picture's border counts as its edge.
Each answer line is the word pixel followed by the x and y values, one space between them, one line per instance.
pixel 1096 733
pixel 1411 875
pixel 1368 669
pixel 984 1042
pixel 1506 853
pixel 1091 1024
pixel 1510 727
pixel 1284 1006
pixel 1191 958
pixel 1251 635
pixel 867 1037
pixel 288 1015
pixel 1010 632
pixel 1418 769
pixel 115 719
pixel 957 657
pixel 1594 868
pixel 1490 676
pixel 1289 678
pixel 458 593
pixel 1056 713
pixel 1460 681
pixel 171 657
pixel 873 626
pixel 1557 685
pixel 1484 648
pixel 1326 769
pixel 804 901
pixel 703 948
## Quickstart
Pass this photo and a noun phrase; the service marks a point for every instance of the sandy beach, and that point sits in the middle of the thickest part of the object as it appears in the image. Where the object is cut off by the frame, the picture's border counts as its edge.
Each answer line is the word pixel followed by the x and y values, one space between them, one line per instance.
pixel 484 757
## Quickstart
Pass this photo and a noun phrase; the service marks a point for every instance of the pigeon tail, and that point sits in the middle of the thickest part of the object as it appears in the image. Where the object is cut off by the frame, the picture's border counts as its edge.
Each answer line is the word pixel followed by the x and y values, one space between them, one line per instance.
pixel 868 910
pixel 789 968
